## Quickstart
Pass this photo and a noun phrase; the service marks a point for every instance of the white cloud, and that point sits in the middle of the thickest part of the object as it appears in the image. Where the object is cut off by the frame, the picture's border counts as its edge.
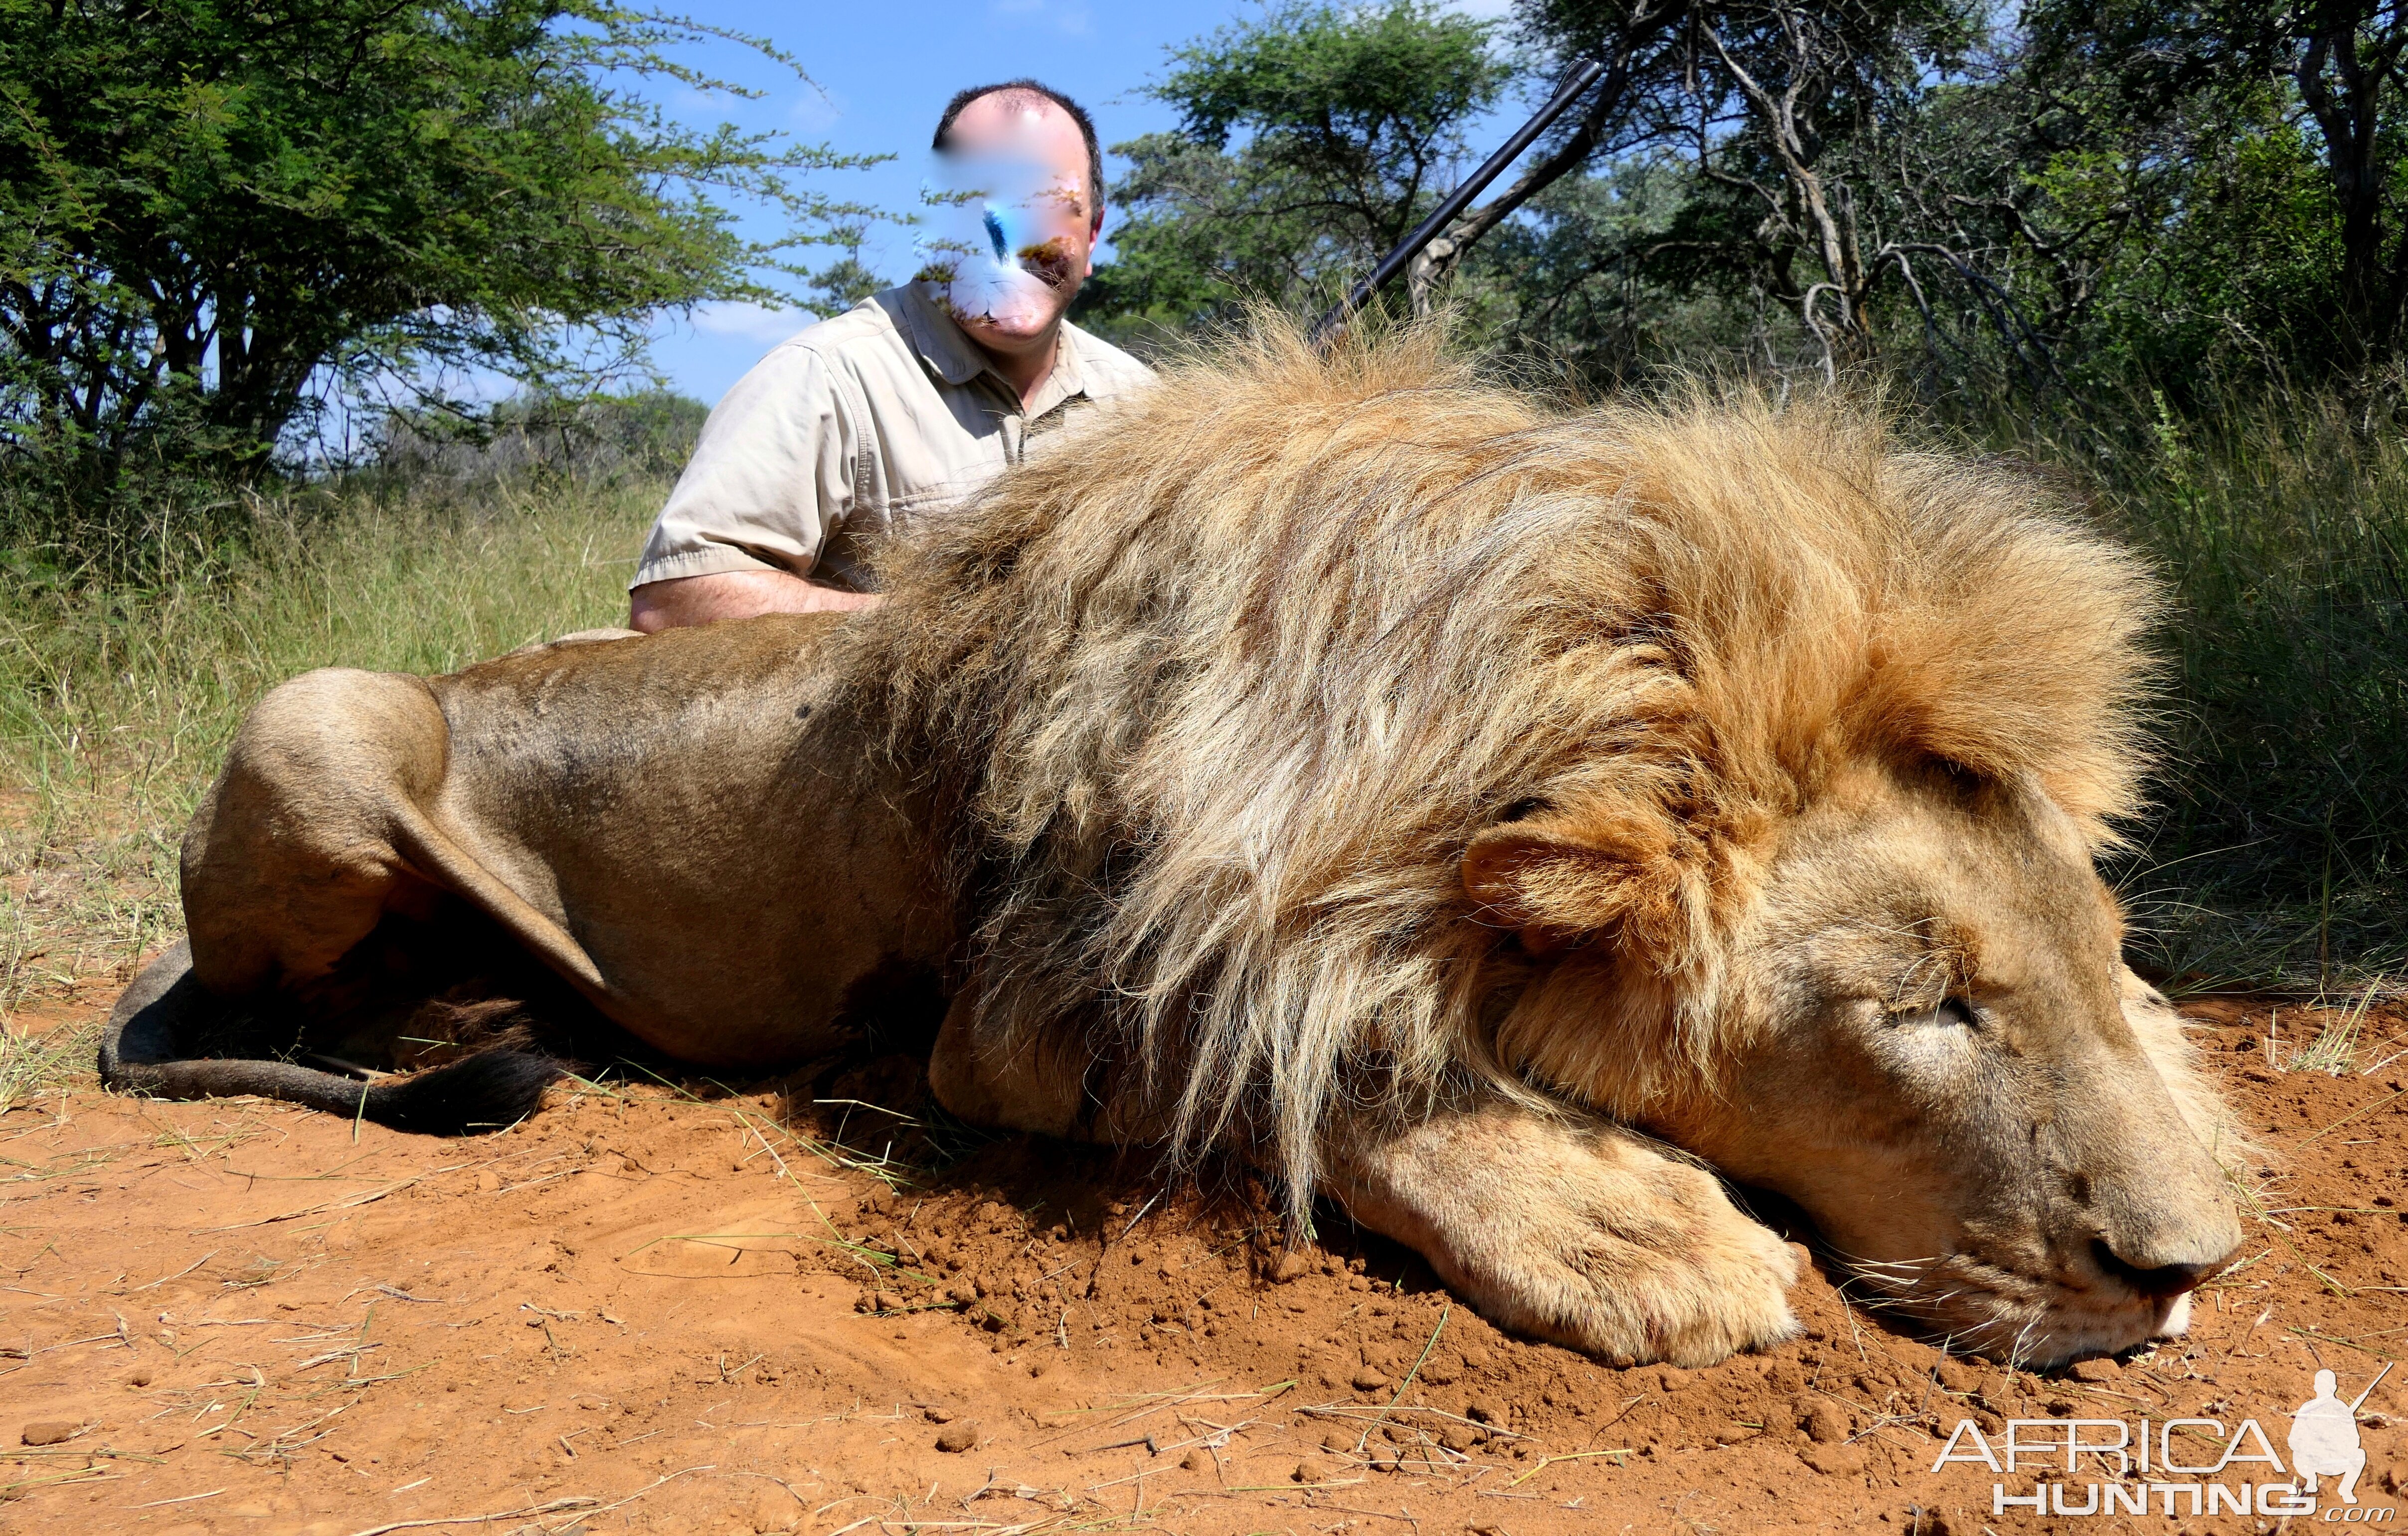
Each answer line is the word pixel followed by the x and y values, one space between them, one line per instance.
pixel 753 321
pixel 1485 11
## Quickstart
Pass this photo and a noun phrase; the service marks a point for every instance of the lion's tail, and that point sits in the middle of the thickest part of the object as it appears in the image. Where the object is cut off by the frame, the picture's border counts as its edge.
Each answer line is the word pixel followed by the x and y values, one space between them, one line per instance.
pixel 140 1053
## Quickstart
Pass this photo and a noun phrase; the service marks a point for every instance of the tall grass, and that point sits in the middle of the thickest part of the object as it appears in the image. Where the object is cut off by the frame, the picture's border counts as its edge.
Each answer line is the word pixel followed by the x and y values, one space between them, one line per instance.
pixel 118 693
pixel 2281 838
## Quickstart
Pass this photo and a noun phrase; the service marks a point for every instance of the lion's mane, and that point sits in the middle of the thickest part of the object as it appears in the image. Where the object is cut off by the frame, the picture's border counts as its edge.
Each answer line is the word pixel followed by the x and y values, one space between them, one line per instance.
pixel 1211 697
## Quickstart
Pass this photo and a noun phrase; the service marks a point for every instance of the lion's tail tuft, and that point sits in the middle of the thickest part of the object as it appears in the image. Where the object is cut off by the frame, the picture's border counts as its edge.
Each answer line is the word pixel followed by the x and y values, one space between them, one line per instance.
pixel 483 1092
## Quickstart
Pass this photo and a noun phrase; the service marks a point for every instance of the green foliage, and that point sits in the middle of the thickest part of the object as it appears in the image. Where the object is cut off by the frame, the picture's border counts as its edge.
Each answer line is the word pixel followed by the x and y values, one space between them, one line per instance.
pixel 2233 281
pixel 212 211
pixel 1790 116
pixel 847 280
pixel 1310 141
pixel 1582 281
pixel 534 441
pixel 2318 80
pixel 2113 198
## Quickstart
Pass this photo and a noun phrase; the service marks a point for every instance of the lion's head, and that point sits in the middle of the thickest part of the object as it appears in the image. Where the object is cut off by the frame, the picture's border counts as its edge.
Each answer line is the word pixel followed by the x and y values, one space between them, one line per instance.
pixel 1923 1034
pixel 1849 916
pixel 1353 726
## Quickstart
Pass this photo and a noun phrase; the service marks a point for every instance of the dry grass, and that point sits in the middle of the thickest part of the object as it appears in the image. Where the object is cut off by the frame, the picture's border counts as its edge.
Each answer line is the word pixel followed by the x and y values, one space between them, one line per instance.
pixel 35 1066
pixel 2334 1050
pixel 2349 1037
pixel 118 696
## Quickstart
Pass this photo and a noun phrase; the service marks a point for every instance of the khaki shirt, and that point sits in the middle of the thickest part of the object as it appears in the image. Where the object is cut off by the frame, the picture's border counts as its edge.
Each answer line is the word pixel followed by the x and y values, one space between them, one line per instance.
pixel 851 429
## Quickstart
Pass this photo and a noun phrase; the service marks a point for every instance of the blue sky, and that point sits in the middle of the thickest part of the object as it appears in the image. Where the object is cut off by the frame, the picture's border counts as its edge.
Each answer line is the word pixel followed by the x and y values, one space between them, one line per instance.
pixel 884 73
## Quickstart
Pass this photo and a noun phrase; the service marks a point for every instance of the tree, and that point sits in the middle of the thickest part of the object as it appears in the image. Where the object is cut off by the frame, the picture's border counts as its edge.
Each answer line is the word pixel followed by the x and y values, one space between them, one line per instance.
pixel 1826 183
pixel 1641 42
pixel 1577 277
pixel 1791 114
pixel 846 280
pixel 1308 143
pixel 2332 73
pixel 1786 113
pixel 206 205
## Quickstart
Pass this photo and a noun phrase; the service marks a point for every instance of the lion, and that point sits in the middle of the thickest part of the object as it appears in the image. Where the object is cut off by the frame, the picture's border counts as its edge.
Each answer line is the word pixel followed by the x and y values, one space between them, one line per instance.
pixel 1519 824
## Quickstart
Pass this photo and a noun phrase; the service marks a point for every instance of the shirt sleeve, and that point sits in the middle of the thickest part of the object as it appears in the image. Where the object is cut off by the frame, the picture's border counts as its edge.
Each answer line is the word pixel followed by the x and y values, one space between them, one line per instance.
pixel 771 477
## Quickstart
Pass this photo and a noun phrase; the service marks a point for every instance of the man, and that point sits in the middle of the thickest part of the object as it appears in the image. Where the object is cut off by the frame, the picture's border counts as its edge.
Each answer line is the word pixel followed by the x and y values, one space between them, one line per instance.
pixel 2324 1438
pixel 906 403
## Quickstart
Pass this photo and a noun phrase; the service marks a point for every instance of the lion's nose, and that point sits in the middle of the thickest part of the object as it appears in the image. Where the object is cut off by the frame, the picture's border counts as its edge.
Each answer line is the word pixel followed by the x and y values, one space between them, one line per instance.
pixel 2158 1281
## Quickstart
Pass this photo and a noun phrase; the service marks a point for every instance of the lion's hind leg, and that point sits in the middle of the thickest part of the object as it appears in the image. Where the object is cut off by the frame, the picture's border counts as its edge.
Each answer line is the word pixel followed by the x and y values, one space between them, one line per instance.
pixel 1570 1228
pixel 307 844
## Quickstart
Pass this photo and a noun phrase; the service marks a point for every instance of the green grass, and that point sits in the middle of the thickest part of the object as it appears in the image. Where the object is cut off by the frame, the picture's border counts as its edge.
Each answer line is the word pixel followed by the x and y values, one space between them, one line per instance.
pixel 118 696
pixel 2281 839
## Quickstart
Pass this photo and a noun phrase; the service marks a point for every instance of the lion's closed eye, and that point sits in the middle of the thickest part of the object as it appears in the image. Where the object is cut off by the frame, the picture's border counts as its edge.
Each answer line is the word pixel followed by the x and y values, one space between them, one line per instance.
pixel 1952 1009
pixel 1958 1012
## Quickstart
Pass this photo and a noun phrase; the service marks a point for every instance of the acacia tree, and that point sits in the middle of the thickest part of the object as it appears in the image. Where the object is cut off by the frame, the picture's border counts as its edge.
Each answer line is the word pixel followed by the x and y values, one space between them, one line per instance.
pixel 1641 43
pixel 1308 143
pixel 206 205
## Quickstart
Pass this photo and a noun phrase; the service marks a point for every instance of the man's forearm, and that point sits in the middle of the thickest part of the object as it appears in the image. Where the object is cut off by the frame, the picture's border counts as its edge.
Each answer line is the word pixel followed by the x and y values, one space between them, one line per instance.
pixel 656 606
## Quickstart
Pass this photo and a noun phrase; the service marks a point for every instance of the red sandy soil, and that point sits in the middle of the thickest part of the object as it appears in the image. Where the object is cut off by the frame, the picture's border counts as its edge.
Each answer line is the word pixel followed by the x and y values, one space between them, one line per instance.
pixel 675 1311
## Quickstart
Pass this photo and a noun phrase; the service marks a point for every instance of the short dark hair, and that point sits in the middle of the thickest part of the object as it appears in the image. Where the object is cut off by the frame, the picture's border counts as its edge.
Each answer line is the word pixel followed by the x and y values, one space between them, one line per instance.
pixel 1038 89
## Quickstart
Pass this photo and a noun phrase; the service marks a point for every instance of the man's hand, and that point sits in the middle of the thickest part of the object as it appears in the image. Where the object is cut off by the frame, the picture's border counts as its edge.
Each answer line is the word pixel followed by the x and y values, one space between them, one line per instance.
pixel 656 606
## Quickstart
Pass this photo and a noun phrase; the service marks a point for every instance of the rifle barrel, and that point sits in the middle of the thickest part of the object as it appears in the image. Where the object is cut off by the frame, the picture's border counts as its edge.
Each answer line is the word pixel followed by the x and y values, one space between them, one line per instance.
pixel 1326 329
pixel 2371 1386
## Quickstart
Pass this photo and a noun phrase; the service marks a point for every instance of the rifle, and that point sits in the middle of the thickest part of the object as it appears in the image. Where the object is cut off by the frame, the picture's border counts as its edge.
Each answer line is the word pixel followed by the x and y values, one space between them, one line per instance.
pixel 1326 329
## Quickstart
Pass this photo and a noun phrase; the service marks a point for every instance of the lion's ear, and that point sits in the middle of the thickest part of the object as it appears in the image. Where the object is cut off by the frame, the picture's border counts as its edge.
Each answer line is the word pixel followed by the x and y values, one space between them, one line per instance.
pixel 1558 880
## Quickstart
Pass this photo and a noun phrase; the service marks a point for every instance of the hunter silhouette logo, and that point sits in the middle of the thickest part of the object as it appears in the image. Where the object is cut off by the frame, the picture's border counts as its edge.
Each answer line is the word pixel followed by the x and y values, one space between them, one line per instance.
pixel 2178 1467
pixel 2324 1437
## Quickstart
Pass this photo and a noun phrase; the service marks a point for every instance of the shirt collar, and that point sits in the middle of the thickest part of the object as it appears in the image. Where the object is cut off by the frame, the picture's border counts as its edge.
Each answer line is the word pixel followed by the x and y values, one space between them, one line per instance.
pixel 952 356
pixel 948 354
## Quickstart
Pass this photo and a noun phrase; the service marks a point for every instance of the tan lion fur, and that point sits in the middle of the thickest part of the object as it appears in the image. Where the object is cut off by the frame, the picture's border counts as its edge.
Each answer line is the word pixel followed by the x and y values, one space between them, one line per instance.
pixel 1213 699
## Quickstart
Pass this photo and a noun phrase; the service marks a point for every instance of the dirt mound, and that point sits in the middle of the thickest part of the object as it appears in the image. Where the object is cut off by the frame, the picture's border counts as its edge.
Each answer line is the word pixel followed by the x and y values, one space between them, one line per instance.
pixel 814 1306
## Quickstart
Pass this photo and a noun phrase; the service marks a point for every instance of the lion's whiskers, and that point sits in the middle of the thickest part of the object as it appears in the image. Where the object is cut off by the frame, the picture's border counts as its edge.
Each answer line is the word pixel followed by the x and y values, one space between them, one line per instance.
pixel 2001 1314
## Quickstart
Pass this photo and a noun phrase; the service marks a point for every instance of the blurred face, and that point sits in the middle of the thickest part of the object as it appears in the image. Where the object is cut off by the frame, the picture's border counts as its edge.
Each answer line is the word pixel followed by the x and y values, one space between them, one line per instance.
pixel 1022 237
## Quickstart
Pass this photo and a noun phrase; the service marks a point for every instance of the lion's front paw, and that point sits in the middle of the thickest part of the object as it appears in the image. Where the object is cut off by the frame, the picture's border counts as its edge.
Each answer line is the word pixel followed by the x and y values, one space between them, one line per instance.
pixel 1581 1234
pixel 1659 1266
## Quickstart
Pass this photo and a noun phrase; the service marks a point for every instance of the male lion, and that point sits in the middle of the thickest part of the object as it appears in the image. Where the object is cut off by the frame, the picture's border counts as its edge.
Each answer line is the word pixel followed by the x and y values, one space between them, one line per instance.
pixel 1499 819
